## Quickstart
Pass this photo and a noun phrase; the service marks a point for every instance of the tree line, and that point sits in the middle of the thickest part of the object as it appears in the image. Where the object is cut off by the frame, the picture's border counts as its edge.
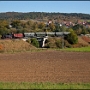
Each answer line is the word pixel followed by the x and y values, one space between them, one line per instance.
pixel 41 15
pixel 18 26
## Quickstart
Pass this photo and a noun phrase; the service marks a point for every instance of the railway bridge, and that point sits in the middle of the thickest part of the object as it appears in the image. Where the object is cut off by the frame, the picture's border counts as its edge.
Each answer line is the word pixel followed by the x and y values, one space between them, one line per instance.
pixel 40 36
pixel 43 36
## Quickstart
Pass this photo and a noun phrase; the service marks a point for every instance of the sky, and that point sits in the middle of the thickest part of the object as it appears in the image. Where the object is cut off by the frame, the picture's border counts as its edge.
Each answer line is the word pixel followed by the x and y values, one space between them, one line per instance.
pixel 46 6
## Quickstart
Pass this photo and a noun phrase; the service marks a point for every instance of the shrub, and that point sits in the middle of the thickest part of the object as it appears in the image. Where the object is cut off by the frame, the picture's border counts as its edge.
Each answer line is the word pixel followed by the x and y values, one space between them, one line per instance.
pixel 28 40
pixel 58 43
pixel 67 44
pixel 53 43
pixel 72 37
pixel 50 43
pixel 35 42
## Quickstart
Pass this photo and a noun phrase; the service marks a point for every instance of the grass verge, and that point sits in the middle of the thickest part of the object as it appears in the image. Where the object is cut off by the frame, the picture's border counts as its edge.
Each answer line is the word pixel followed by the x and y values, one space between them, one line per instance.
pixel 27 85
pixel 82 49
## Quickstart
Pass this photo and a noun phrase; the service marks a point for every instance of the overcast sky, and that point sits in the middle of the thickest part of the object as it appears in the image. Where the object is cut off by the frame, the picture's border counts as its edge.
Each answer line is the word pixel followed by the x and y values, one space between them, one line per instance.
pixel 46 6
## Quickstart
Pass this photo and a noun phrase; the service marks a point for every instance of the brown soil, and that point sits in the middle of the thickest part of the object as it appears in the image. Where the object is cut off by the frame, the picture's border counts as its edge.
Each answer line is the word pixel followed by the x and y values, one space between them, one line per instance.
pixel 45 66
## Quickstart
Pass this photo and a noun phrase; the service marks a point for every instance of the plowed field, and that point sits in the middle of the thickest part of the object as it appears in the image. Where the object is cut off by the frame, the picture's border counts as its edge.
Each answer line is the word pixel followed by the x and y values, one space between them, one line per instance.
pixel 45 66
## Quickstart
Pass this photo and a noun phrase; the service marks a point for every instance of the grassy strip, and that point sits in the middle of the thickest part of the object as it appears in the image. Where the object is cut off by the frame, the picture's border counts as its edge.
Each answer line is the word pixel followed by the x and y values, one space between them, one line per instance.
pixel 24 85
pixel 82 49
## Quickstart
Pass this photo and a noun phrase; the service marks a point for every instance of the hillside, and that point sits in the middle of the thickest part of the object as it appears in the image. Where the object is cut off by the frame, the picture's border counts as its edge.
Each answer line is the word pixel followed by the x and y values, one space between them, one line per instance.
pixel 85 38
pixel 15 45
pixel 82 41
pixel 44 16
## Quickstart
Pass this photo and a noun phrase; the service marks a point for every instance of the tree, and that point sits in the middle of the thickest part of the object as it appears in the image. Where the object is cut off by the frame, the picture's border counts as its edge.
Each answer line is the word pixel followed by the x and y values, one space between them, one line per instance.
pixel 4 23
pixel 77 29
pixel 57 26
pixel 4 26
pixel 84 30
pixel 72 37
pixel 4 31
pixel 51 26
pixel 16 23
pixel 60 28
pixel 30 23
pixel 41 25
pixel 35 26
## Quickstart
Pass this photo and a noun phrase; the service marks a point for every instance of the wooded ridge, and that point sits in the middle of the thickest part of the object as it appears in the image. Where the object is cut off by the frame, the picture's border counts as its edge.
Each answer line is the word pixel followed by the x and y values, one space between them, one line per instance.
pixel 42 15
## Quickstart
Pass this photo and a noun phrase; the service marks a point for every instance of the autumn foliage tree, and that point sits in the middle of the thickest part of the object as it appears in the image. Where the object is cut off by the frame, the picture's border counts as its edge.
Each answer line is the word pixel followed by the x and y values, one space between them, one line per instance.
pixel 52 27
pixel 41 25
pixel 4 27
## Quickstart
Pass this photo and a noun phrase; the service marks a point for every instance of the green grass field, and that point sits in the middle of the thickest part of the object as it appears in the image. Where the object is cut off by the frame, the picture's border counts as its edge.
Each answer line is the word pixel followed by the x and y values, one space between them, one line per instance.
pixel 82 49
pixel 24 85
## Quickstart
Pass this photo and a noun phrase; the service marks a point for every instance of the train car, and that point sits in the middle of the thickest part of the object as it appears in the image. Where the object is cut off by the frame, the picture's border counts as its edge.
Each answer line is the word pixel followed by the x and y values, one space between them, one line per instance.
pixel 66 33
pixel 52 34
pixel 59 34
pixel 18 35
pixel 40 34
pixel 29 35
pixel 6 36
